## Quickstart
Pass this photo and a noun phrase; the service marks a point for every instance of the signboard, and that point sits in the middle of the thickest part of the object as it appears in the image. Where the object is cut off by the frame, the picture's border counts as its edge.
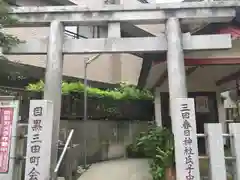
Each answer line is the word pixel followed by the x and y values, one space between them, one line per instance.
pixel 202 104
pixel 186 150
pixel 38 159
pixel 8 132
pixel 6 120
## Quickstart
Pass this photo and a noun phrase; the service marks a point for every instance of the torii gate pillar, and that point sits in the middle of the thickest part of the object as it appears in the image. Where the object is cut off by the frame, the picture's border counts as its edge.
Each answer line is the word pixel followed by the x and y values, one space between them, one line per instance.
pixel 178 90
pixel 175 64
pixel 53 80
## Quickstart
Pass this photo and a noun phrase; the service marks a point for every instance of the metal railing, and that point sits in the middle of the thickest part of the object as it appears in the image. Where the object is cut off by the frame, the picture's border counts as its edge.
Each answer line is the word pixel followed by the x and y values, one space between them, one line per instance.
pixel 74 35
pixel 231 158
pixel 63 152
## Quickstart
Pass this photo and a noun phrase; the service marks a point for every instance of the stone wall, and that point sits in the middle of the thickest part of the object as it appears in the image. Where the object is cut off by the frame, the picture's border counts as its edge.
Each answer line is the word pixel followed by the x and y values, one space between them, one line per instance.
pixel 104 139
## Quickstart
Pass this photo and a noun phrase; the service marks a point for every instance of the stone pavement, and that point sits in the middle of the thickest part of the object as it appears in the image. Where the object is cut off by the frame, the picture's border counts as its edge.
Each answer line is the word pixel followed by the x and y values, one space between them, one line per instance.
pixel 122 169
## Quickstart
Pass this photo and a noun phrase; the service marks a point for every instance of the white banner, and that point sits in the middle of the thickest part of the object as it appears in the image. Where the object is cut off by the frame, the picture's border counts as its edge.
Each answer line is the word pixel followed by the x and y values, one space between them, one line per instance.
pixel 38 159
pixel 185 135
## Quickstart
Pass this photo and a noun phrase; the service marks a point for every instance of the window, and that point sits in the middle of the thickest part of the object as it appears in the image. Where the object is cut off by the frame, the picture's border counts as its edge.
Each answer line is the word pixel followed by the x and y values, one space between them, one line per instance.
pixel 73 32
pixel 85 32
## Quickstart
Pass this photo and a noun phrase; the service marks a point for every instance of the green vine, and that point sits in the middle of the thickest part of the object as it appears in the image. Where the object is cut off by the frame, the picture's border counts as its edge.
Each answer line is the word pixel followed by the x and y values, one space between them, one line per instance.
pixel 124 92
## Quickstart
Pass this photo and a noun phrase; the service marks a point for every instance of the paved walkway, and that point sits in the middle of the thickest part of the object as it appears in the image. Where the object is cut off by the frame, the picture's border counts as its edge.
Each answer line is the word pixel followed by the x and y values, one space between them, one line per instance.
pixel 124 169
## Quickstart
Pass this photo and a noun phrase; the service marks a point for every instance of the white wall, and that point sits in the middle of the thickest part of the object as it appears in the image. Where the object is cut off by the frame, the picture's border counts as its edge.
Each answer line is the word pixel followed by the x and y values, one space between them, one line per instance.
pixel 202 79
pixel 197 81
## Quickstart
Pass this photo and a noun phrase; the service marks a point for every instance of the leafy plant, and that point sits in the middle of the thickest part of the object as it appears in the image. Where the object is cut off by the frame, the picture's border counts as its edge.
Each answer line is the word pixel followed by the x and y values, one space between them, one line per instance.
pixel 157 172
pixel 37 87
pixel 124 92
pixel 6 40
pixel 158 145
pixel 135 151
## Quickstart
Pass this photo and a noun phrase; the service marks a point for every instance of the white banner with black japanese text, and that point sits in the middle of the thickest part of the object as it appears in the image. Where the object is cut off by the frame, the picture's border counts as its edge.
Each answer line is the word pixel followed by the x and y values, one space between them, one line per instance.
pixel 185 135
pixel 38 158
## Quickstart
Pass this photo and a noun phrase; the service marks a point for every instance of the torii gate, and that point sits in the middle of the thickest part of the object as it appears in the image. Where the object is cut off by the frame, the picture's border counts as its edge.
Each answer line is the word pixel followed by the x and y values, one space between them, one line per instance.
pixel 174 42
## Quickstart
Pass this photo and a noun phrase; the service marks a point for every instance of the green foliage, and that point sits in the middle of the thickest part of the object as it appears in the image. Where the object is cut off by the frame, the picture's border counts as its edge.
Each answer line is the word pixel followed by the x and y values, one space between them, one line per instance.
pixel 124 92
pixel 6 40
pixel 135 151
pixel 157 172
pixel 158 145
pixel 37 87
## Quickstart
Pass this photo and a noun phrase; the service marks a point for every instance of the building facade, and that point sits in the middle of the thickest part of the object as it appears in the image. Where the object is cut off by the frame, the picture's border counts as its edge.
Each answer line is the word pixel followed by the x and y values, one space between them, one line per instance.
pixel 107 68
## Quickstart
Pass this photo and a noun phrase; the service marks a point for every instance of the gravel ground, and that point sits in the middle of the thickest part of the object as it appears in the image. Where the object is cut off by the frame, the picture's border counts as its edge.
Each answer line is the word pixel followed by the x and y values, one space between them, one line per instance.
pixel 123 169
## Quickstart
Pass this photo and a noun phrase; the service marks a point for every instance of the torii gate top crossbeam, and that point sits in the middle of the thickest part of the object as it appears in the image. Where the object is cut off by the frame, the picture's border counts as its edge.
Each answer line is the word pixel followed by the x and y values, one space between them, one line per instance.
pixel 214 11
